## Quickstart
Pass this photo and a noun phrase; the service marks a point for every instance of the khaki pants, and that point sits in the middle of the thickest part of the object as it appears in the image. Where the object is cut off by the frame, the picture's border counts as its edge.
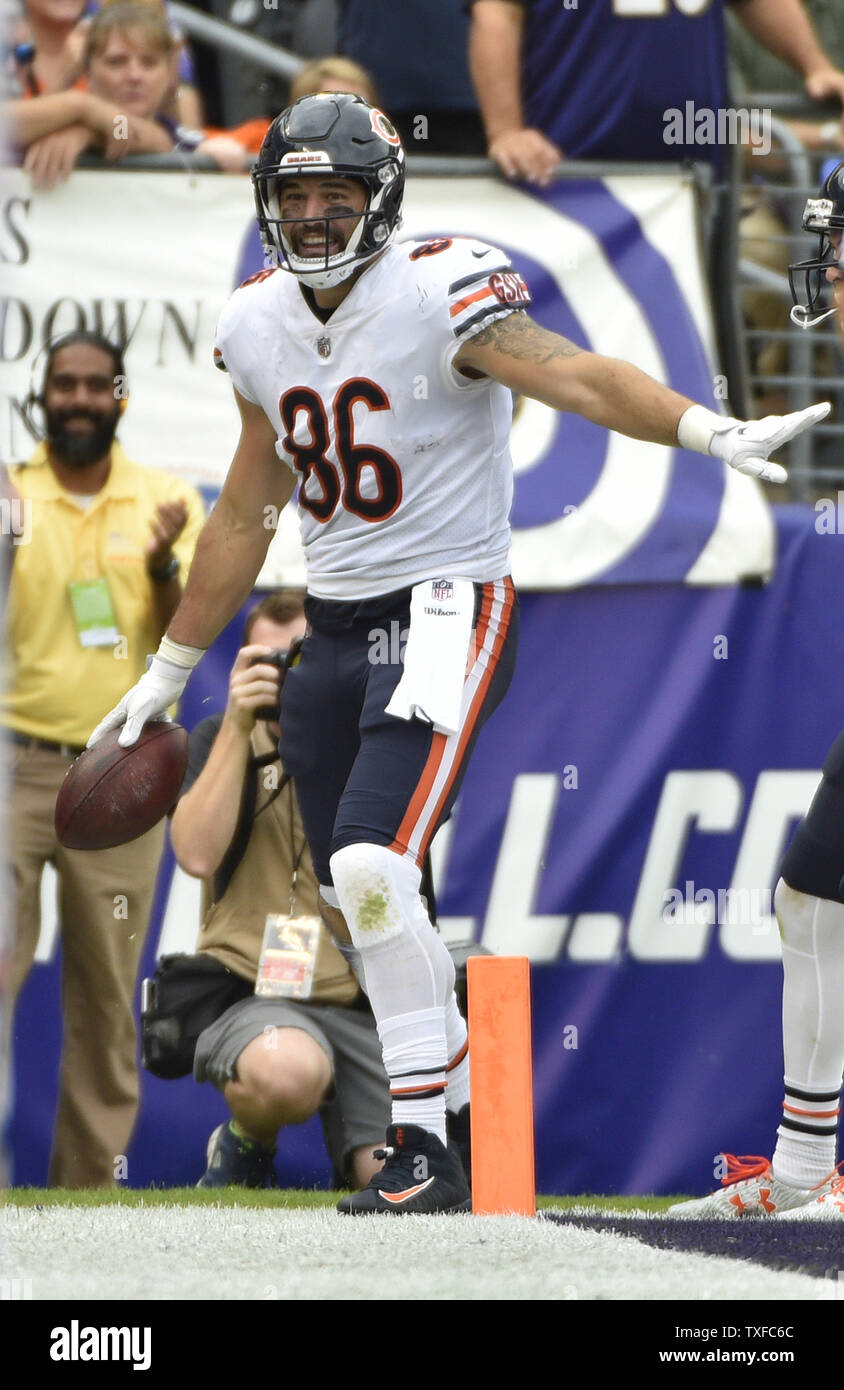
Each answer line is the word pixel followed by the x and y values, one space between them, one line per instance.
pixel 105 897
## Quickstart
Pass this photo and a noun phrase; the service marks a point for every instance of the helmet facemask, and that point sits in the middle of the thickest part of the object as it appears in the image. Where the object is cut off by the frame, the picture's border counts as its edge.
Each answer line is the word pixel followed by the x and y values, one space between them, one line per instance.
pixel 807 279
pixel 330 135
pixel 368 237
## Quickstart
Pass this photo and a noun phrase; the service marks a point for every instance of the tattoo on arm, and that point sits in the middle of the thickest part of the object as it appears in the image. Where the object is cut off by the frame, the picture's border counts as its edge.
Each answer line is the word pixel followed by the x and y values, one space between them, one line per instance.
pixel 518 336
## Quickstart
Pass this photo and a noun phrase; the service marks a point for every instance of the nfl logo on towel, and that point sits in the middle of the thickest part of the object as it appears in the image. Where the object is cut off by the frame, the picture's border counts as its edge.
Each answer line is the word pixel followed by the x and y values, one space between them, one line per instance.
pixel 442 589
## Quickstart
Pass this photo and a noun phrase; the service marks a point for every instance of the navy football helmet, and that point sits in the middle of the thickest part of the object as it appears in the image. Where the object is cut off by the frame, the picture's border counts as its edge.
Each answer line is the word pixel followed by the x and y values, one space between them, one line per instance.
pixel 824 215
pixel 330 133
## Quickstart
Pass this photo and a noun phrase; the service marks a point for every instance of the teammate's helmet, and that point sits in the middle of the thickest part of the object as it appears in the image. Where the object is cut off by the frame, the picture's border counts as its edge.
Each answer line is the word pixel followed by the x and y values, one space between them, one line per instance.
pixel 824 215
pixel 331 133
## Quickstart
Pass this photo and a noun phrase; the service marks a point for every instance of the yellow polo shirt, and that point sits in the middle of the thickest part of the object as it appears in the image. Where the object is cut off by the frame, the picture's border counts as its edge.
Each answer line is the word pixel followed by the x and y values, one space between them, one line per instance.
pixel 57 689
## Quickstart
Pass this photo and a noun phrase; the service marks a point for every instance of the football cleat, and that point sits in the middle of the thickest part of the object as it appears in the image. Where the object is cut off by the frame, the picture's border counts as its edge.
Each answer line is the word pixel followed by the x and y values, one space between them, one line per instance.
pixel 420 1175
pixel 828 1206
pixel 235 1162
pixel 459 1131
pixel 748 1189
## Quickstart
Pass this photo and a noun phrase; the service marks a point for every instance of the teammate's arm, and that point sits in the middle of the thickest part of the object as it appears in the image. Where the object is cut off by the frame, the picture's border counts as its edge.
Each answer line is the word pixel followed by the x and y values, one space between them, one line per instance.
pixel 535 362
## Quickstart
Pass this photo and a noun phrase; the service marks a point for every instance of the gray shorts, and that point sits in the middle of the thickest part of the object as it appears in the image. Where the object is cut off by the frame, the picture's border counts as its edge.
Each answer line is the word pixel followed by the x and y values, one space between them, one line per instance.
pixel 358 1110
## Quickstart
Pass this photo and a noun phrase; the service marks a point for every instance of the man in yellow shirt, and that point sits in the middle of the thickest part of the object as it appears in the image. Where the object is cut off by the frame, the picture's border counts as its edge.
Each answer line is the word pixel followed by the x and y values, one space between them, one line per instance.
pixel 96 577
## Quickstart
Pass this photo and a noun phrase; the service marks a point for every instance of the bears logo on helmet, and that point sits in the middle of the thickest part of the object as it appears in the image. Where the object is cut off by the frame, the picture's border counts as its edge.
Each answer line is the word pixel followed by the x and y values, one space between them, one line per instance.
pixel 331 133
pixel 808 280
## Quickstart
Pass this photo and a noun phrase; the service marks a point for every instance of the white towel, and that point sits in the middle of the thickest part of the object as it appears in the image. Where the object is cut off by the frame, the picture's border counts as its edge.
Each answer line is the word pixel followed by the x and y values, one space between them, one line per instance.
pixel 431 688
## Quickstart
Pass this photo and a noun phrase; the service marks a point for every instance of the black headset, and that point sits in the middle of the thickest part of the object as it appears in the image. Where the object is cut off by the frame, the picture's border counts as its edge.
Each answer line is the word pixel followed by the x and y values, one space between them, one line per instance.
pixel 35 395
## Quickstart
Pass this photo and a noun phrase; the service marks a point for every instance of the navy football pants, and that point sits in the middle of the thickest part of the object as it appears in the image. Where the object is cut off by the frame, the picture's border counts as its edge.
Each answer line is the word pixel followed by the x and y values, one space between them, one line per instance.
pixel 365 776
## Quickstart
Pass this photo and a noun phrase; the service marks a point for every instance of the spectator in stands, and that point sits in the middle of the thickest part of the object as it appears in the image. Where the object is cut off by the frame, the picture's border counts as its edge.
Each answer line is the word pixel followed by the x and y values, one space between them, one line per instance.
pixel 417 54
pixel 333 74
pixel 91 591
pixel 756 68
pixel 48 43
pixel 277 1057
pixel 45 56
pixel 129 63
pixel 554 81
pixel 185 104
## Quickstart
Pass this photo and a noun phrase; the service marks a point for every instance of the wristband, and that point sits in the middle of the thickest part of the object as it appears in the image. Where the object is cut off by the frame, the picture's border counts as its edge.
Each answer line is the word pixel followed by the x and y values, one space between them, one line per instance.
pixel 697 426
pixel 178 655
pixel 171 569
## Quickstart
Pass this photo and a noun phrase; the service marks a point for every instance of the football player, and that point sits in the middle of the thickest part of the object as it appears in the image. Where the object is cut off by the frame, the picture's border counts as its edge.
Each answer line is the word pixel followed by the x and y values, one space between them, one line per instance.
pixel 380 373
pixel 809 904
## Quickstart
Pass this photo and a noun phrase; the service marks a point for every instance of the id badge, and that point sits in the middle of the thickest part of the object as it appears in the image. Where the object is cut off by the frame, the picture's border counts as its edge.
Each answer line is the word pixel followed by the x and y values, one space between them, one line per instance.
pixel 288 955
pixel 96 625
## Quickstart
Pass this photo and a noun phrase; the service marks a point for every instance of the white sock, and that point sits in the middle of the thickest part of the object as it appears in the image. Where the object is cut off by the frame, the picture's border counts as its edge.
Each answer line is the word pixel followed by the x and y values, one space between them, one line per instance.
pixel 413 1047
pixel 800 1161
pixel 812 931
pixel 409 975
pixel 457 1071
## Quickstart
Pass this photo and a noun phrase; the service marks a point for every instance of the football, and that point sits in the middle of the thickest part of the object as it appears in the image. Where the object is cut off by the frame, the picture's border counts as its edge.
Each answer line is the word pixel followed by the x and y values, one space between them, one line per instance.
pixel 111 795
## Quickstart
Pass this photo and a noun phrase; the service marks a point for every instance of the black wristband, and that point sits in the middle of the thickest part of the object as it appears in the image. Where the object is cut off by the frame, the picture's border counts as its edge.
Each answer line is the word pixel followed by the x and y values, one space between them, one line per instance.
pixel 169 572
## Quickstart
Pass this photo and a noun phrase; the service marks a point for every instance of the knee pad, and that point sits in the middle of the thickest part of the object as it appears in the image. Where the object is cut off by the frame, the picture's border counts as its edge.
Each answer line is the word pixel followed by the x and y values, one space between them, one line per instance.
pixel 378 892
pixel 379 896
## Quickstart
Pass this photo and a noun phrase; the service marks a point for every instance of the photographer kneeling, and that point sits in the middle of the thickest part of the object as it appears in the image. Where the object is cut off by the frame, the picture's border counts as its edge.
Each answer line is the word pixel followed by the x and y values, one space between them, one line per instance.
pixel 300 1037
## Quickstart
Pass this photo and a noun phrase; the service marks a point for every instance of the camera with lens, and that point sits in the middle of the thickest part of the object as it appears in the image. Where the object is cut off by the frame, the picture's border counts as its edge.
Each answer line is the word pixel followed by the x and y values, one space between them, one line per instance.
pixel 278 659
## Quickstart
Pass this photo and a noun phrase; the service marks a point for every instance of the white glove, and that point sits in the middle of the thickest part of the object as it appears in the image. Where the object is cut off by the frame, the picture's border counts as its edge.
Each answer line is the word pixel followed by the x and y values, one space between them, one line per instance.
pixel 159 688
pixel 746 445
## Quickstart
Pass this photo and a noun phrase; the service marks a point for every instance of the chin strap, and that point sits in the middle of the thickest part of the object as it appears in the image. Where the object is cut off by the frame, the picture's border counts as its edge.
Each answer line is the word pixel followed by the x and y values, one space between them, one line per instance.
pixel 804 318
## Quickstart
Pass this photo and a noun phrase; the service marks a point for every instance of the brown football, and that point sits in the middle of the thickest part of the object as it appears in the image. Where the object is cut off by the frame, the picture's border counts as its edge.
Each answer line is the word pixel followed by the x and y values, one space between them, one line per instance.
pixel 111 795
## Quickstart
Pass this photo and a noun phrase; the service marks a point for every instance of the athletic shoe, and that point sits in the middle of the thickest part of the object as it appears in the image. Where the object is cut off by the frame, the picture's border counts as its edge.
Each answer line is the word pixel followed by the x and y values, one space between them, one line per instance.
pixel 829 1206
pixel 235 1162
pixel 459 1131
pixel 749 1189
pixel 419 1175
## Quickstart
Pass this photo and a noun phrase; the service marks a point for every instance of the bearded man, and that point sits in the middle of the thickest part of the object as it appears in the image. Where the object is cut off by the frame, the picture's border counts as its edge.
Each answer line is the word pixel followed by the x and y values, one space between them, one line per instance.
pixel 96 577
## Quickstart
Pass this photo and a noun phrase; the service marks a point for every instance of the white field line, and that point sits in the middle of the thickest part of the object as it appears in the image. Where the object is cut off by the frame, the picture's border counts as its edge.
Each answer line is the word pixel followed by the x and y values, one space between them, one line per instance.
pixel 76 1253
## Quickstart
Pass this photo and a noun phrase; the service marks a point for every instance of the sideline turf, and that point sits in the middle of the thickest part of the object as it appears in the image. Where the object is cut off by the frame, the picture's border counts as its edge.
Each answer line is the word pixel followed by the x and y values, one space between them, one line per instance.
pixel 290 1198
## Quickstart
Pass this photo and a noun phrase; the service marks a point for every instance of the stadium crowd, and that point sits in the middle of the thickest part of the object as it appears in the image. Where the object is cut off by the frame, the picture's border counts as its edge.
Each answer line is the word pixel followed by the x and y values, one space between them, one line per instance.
pixel 515 79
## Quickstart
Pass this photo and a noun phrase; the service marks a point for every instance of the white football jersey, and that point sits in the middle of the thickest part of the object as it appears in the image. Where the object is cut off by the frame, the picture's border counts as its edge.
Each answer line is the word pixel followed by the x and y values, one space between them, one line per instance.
pixel 404 464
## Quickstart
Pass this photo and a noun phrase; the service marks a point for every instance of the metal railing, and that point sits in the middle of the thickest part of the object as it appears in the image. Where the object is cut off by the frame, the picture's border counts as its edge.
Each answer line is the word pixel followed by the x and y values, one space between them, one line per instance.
pixel 231 39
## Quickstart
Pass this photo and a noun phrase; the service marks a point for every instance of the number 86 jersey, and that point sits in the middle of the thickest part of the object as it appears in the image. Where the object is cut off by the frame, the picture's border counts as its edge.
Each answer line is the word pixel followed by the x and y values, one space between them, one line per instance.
pixel 403 463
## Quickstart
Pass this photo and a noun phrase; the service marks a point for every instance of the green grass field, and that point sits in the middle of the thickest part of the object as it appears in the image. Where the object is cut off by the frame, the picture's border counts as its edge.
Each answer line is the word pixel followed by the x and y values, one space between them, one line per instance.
pixel 286 1199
